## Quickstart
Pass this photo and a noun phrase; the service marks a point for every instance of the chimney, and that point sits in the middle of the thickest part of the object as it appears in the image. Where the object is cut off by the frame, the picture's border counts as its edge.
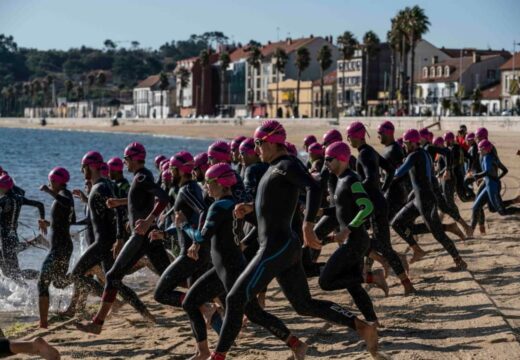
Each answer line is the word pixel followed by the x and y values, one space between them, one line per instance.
pixel 289 41
pixel 435 60
pixel 476 57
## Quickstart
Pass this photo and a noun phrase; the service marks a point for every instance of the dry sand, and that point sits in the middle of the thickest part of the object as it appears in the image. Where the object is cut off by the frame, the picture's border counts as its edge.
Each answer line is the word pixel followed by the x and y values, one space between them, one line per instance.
pixel 473 314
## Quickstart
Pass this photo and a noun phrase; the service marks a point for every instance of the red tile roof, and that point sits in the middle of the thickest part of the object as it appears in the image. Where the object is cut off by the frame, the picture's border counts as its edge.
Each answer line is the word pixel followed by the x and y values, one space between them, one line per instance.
pixel 328 79
pixel 149 82
pixel 269 49
pixel 509 64
pixel 492 92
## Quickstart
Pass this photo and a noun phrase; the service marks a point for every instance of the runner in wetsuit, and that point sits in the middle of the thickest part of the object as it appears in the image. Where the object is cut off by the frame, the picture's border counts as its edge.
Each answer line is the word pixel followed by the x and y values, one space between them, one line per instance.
pixel 200 166
pixel 157 162
pixel 56 264
pixel 37 346
pixel 456 181
pixel 10 207
pixel 474 168
pixel 316 161
pixel 491 192
pixel 368 166
pixel 189 206
pixel 107 226
pixel 146 200
pixel 280 251
pixel 235 154
pixel 418 165
pixel 344 269
pixel 308 141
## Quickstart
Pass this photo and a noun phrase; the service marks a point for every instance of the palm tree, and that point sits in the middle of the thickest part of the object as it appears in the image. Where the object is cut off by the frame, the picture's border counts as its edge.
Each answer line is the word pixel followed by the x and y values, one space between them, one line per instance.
pixel 415 24
pixel 35 89
pixel 183 76
pixel 302 62
pixel 348 44
pixel 280 61
pixel 325 61
pixel 254 60
pixel 91 80
pixel 26 92
pixel 370 48
pixel 477 98
pixel 101 79
pixel 164 84
pixel 204 63
pixel 225 60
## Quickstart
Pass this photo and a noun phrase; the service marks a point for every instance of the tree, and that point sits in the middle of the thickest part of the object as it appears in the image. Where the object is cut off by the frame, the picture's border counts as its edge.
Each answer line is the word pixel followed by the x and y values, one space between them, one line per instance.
pixel 415 24
pixel 400 47
pixel 477 98
pixel 183 79
pixel 164 84
pixel 347 45
pixel 325 61
pixel 204 63
pixel 109 44
pixel 254 60
pixel 302 62
pixel 280 61
pixel 135 44
pixel 370 48
pixel 225 60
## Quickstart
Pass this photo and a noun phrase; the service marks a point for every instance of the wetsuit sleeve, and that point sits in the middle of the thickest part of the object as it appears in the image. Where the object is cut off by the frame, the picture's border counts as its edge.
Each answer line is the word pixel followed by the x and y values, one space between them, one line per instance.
pixel 503 168
pixel 487 165
pixel 434 150
pixel 298 175
pixel 160 195
pixel 250 237
pixel 389 171
pixel 363 203
pixel 212 222
pixel 36 204
pixel 64 200
pixel 192 200
pixel 406 167
pixel 368 164
pixel 250 182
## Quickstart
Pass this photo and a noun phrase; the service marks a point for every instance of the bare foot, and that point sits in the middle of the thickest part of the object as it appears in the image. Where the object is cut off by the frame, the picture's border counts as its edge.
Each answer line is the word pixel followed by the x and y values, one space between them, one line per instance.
pixel 201 356
pixel 418 255
pixel 369 334
pixel 380 281
pixel 454 229
pixel 482 229
pixel 69 313
pixel 45 350
pixel 89 327
pixel 207 310
pixel 300 351
pixel 409 289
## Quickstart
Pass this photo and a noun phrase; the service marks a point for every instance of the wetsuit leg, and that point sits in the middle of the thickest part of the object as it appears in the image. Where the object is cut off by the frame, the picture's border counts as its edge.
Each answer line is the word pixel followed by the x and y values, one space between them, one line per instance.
pixel 156 253
pixel 54 270
pixel 478 207
pixel 206 288
pixel 448 190
pixel 431 218
pixel 5 348
pixel 10 264
pixel 344 270
pixel 441 201
pixel 403 222
pixel 381 239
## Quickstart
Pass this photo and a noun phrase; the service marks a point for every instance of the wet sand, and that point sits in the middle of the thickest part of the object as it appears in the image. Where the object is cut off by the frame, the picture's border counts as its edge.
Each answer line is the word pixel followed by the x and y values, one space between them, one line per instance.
pixel 473 314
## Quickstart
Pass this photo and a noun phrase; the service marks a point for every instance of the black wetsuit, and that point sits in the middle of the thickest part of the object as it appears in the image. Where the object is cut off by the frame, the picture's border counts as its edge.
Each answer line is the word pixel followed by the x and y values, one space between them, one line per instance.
pixel 121 188
pixel 56 264
pixel 107 226
pixel 141 202
pixel 368 164
pixel 10 207
pixel 459 157
pixel 280 250
pixel 5 347
pixel 419 165
pixel 344 269
pixel 189 201
pixel 397 193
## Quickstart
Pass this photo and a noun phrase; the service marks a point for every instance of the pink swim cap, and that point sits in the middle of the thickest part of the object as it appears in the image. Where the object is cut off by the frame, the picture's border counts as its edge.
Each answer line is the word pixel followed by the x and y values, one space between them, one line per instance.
pixel 221 173
pixel 115 164
pixel 167 175
pixel 201 161
pixel 470 136
pixel 6 182
pixel 338 150
pixel 135 151
pixel 183 161
pixel 92 158
pixel 449 136
pixel 220 151
pixel 426 135
pixel 485 145
pixel 235 144
pixel 59 175
pixel 481 133
pixel 386 128
pixel 165 165
pixel 159 159
pixel 247 147
pixel 316 149
pixel 291 149
pixel 411 135
pixel 439 141
pixel 331 136
pixel 271 131
pixel 356 130
pixel 103 170
pixel 309 140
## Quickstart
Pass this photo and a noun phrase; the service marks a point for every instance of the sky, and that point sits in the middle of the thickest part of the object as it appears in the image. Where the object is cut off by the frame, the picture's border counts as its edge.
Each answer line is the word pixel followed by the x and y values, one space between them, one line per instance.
pixel 62 24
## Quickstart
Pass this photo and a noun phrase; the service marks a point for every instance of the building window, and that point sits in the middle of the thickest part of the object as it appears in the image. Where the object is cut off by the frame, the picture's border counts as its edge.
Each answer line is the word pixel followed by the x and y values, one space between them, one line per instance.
pixel 446 71
pixel 439 71
pixel 425 72
pixel 432 72
pixel 491 74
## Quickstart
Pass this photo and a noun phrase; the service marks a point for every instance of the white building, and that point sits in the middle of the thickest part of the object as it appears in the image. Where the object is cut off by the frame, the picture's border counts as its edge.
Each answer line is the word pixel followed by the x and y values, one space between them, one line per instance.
pixel 151 102
pixel 509 73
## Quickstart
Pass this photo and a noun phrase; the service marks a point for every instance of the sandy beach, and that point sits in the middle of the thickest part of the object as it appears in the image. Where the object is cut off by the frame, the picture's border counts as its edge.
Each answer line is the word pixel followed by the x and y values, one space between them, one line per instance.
pixel 473 314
